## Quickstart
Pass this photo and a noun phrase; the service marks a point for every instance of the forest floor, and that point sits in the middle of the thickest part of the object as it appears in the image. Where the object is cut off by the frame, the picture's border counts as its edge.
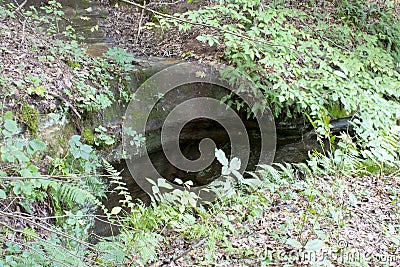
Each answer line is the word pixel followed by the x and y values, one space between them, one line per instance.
pixel 349 223
pixel 127 26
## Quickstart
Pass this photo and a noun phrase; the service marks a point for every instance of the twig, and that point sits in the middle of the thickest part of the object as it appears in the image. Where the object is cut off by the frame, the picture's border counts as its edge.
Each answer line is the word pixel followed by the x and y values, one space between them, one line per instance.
pixel 165 4
pixel 11 203
pixel 47 227
pixel 51 177
pixel 95 216
pixel 23 32
pixel 192 247
pixel 140 23
pixel 66 102
pixel 20 6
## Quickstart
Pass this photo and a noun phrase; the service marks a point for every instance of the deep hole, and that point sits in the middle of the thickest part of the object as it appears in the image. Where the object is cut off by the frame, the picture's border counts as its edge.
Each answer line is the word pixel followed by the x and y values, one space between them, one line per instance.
pixel 195 131
pixel 191 135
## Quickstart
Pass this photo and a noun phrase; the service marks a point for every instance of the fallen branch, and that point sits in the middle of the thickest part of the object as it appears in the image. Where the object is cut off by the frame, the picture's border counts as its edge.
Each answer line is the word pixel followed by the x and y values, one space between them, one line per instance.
pixel 66 102
pixel 55 177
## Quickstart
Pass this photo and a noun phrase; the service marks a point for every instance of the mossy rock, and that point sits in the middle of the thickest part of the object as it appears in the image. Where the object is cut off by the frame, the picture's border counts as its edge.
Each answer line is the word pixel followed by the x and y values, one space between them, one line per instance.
pixel 88 136
pixel 337 111
pixel 30 117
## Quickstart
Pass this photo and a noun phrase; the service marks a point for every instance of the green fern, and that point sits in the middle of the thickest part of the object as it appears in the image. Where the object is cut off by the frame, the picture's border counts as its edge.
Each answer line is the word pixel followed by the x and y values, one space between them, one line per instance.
pixel 120 188
pixel 70 194
pixel 110 169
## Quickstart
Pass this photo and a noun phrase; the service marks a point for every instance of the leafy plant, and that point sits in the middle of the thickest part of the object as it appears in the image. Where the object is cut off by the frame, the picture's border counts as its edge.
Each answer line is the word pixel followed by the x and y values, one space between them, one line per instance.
pixel 16 151
pixel 374 18
pixel 49 21
pixel 122 58
pixel 102 138
pixel 22 180
pixel 304 74
pixel 37 87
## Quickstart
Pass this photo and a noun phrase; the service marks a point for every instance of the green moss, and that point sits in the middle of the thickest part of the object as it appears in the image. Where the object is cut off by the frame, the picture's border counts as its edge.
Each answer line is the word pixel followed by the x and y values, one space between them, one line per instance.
pixel 73 64
pixel 30 116
pixel 88 136
pixel 142 76
pixel 337 111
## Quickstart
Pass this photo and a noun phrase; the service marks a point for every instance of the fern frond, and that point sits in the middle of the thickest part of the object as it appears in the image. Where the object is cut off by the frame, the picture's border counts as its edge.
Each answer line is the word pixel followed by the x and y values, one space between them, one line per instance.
pixel 110 169
pixel 71 194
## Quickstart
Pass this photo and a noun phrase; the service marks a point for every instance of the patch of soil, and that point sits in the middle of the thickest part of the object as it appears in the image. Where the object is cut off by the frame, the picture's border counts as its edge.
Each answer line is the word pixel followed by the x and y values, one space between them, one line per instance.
pixel 125 24
pixel 17 214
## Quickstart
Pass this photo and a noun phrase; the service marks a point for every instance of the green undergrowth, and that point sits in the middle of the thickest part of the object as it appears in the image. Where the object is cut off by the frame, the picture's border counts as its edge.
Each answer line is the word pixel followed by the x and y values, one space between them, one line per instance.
pixel 67 192
pixel 285 214
pixel 96 82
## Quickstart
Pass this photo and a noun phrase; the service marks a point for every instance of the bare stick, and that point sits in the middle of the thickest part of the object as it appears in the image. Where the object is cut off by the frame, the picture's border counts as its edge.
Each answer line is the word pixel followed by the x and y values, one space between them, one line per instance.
pixel 66 102
pixel 20 6
pixel 140 23
pixel 56 177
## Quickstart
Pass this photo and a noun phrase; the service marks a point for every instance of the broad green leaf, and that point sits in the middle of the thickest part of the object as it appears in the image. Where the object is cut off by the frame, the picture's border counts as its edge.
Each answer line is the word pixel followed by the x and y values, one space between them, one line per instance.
pixel 3 194
pixel 115 210
pixel 35 145
pixel 225 170
pixel 22 158
pixel 235 164
pixel 10 126
pixel 314 245
pixel 26 173
pixel 340 74
pixel 294 243
pixel 151 181
pixel 8 115
pixel 237 174
pixel 254 183
pixel 220 155
pixel 6 133
pixel 178 181
pixel 164 183
pixel 155 189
